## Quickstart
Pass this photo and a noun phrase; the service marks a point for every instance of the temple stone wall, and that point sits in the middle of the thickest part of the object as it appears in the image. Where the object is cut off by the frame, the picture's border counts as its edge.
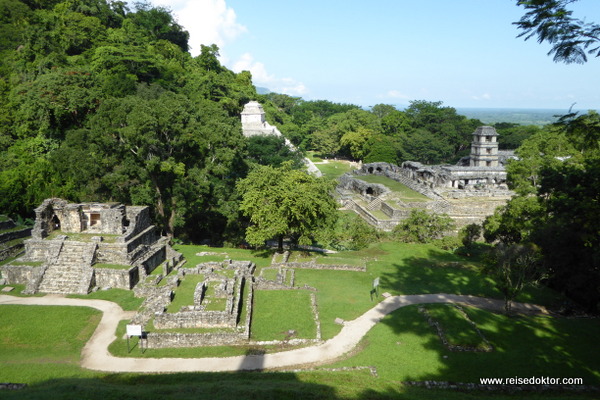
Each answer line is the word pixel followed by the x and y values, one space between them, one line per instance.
pixel 92 234
pixel 117 278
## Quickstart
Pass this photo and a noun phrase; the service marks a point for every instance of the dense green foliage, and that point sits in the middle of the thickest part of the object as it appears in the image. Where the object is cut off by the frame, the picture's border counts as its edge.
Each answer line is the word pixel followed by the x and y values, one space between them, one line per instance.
pixel 423 227
pixel 556 207
pixel 427 132
pixel 283 202
pixel 102 103
pixel 513 268
pixel 552 21
pixel 272 150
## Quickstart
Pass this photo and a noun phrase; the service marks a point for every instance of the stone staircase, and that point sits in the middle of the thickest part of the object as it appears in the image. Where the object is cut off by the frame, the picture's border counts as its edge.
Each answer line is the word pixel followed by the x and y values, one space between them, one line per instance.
pixel 72 271
pixel 375 204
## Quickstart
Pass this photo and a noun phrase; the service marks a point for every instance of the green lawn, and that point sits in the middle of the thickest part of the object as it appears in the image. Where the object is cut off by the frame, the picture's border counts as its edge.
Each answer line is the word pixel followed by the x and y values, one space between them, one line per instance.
pixel 405 193
pixel 275 312
pixel 41 342
pixel 334 169
pixel 456 327
pixel 262 258
pixel 312 157
pixel 28 263
pixel 404 347
pixel 184 293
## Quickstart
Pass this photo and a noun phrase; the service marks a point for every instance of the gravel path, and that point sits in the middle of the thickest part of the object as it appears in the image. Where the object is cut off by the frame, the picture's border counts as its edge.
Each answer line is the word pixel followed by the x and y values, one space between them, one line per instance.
pixel 95 354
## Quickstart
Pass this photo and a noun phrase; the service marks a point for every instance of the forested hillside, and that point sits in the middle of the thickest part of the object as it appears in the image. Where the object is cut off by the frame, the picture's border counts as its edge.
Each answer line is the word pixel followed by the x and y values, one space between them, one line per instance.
pixel 99 102
pixel 428 132
pixel 102 103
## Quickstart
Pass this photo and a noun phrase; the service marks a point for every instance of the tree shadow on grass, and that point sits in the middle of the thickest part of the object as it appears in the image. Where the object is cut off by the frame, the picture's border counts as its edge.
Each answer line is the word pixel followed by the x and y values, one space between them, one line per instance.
pixel 525 345
pixel 182 386
pixel 420 275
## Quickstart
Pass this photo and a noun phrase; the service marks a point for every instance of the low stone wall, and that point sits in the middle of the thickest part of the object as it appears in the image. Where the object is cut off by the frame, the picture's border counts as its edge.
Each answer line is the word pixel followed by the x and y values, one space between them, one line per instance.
pixel 265 284
pixel 153 258
pixel 194 319
pixel 176 340
pixel 117 278
pixel 8 236
pixel 8 224
pixel 11 251
pixel 314 265
pixel 158 340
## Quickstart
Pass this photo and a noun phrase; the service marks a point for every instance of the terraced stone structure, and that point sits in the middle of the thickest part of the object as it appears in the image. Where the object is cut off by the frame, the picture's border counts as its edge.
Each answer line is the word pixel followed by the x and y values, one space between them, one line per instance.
pixel 467 192
pixel 11 237
pixel 77 247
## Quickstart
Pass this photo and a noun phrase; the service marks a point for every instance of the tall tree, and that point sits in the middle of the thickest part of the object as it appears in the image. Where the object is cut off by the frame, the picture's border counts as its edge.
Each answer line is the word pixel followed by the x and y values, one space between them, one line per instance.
pixel 283 202
pixel 513 268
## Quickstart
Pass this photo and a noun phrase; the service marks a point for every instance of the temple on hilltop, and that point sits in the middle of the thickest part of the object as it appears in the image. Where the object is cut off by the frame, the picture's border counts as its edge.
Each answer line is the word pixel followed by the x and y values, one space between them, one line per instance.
pixel 77 247
pixel 254 123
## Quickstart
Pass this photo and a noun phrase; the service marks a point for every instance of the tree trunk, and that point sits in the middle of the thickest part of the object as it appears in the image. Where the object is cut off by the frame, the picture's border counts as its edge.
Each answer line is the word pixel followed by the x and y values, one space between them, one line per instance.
pixel 160 210
pixel 507 305
pixel 280 247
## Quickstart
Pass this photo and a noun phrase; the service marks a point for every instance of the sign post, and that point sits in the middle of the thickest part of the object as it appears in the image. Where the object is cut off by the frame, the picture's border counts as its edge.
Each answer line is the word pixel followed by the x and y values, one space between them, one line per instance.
pixel 375 288
pixel 134 330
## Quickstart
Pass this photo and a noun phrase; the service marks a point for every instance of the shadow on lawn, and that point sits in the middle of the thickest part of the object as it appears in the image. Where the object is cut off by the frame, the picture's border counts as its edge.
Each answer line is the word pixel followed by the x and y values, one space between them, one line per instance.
pixel 525 346
pixel 437 272
pixel 197 386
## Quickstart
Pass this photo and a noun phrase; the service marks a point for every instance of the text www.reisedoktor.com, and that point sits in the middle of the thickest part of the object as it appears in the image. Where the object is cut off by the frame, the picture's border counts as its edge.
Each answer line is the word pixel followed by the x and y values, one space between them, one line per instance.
pixel 544 380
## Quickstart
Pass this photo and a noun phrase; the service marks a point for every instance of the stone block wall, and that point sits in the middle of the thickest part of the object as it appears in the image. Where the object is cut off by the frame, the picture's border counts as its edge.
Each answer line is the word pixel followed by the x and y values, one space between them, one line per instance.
pixel 20 274
pixel 117 278
pixel 195 319
pixel 177 340
pixel 7 236
pixel 147 237
pixel 112 253
pixel 159 340
pixel 314 265
pixel 138 218
pixel 153 258
pixel 43 250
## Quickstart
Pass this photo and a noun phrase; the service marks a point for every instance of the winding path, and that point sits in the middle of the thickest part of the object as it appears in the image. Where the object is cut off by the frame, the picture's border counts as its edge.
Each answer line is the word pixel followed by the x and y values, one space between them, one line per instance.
pixel 95 353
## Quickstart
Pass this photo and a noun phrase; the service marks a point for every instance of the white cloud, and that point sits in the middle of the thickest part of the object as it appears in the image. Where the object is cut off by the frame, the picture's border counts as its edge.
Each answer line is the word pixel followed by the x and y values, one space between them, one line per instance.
pixel 394 94
pixel 207 21
pixel 261 77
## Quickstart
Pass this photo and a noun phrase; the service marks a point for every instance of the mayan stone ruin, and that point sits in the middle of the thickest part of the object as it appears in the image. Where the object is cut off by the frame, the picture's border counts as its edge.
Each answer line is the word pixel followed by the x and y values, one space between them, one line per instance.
pixel 76 248
pixel 468 192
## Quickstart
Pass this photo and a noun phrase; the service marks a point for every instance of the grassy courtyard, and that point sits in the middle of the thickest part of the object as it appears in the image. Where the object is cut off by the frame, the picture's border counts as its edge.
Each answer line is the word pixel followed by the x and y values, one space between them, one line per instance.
pixel 404 192
pixel 42 348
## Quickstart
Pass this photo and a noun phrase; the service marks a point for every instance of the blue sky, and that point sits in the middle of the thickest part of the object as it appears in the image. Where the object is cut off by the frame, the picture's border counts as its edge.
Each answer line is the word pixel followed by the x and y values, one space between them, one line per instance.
pixel 462 52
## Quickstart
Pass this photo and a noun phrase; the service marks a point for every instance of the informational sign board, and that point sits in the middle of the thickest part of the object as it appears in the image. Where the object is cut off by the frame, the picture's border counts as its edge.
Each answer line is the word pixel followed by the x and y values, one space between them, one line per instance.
pixel 134 330
pixel 376 282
